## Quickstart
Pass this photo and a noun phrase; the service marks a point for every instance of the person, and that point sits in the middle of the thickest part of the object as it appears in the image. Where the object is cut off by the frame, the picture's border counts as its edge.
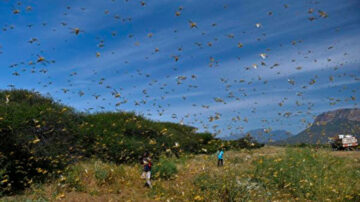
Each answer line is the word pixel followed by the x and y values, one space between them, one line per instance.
pixel 147 169
pixel 220 157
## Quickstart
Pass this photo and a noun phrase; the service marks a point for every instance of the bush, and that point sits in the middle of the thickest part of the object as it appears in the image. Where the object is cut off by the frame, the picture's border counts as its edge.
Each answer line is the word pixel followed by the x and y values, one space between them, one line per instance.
pixel 164 169
pixel 245 143
pixel 37 136
pixel 72 178
pixel 124 137
pixel 103 173
pixel 309 175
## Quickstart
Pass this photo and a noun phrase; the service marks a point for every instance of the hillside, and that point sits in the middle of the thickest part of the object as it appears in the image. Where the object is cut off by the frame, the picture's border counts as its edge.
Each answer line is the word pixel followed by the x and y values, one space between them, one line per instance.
pixel 262 135
pixel 328 124
pixel 340 114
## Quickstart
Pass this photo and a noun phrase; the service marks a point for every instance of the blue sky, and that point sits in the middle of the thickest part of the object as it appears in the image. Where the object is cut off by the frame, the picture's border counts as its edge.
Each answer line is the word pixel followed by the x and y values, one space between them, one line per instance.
pixel 298 58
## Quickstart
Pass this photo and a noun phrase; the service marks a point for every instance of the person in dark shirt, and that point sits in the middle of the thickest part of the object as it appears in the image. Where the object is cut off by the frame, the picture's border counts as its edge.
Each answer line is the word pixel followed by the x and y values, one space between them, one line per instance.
pixel 147 169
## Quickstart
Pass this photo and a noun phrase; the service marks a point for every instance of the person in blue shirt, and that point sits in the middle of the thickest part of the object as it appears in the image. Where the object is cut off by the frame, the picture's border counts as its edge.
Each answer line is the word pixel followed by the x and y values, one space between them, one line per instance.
pixel 220 155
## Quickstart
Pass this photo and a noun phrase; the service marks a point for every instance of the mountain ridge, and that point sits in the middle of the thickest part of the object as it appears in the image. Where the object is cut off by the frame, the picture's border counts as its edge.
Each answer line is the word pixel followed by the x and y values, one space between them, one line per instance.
pixel 326 125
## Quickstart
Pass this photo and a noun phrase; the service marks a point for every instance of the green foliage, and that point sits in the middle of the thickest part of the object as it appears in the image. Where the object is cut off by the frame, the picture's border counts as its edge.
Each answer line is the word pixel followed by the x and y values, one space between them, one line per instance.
pixel 309 175
pixel 72 176
pixel 164 169
pixel 103 173
pixel 245 143
pixel 37 136
pixel 124 137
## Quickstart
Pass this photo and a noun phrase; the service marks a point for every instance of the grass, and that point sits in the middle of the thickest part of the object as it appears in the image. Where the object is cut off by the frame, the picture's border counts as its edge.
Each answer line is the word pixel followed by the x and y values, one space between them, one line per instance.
pixel 266 174
pixel 309 175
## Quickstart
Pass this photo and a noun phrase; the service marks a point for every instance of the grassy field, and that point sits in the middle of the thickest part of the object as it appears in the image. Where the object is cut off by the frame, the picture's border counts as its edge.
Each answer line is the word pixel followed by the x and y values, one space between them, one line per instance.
pixel 266 174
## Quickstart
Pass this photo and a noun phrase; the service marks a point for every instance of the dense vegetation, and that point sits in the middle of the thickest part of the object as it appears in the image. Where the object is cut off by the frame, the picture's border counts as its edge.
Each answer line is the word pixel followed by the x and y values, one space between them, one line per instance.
pixel 37 138
pixel 41 137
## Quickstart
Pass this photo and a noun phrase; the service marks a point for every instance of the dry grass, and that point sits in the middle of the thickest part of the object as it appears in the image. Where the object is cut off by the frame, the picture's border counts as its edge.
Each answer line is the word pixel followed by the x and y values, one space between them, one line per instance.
pixel 198 179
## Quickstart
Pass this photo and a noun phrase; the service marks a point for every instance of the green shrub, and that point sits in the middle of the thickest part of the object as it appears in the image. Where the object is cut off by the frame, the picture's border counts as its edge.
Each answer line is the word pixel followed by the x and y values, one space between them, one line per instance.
pixel 37 136
pixel 245 143
pixel 72 178
pixel 124 137
pixel 103 173
pixel 164 169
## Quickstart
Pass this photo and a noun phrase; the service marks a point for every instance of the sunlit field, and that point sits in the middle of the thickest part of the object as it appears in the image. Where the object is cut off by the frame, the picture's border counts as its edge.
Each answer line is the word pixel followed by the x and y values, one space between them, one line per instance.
pixel 269 173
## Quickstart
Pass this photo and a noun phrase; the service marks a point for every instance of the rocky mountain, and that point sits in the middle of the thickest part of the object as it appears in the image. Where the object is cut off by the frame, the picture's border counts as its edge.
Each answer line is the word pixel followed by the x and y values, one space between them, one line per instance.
pixel 328 124
pixel 340 114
